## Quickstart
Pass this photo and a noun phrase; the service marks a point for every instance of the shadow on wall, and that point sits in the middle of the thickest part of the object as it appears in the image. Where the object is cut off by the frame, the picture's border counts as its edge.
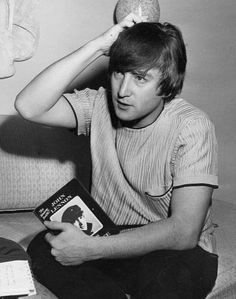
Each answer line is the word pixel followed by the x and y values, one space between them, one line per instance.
pixel 23 138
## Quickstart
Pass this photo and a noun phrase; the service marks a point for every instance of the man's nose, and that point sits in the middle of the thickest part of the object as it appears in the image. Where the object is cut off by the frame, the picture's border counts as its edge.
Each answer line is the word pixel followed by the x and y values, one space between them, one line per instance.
pixel 124 89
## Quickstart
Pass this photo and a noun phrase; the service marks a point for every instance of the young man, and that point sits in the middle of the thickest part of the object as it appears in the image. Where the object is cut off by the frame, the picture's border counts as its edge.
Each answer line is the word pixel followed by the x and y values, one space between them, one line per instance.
pixel 154 165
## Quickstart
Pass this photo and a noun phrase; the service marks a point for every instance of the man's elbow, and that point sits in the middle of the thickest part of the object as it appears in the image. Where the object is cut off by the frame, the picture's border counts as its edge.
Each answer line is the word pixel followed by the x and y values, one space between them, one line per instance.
pixel 187 240
pixel 22 108
pixel 189 243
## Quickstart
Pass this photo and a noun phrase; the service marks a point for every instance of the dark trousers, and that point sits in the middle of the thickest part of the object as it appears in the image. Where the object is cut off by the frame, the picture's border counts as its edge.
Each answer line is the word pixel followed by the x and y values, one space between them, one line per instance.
pixel 163 274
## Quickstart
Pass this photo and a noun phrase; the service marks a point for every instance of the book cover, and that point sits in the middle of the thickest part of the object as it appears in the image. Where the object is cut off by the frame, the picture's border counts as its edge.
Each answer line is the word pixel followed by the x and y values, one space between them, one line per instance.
pixel 74 204
pixel 16 279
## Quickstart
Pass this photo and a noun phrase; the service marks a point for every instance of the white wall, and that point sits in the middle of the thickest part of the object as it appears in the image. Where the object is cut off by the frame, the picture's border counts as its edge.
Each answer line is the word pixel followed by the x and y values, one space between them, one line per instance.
pixel 209 29
pixel 64 26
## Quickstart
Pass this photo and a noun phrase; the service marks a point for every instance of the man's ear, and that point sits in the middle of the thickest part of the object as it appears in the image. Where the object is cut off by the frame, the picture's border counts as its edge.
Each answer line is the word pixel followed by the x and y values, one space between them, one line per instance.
pixel 159 92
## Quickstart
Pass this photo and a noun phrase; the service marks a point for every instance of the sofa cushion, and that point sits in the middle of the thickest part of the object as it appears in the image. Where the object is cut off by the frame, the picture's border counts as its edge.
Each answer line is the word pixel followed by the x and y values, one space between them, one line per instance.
pixel 35 161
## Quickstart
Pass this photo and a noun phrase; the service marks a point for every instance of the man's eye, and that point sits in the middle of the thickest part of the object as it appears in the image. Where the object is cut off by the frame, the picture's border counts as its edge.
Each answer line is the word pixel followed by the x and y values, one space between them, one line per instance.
pixel 140 78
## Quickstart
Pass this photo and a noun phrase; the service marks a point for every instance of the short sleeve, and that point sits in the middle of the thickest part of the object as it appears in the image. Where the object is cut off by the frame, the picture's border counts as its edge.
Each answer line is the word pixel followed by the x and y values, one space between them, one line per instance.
pixel 195 155
pixel 82 103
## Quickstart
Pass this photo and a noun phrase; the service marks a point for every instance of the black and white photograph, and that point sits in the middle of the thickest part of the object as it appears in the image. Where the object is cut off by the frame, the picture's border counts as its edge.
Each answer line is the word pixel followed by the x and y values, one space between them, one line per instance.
pixel 118 147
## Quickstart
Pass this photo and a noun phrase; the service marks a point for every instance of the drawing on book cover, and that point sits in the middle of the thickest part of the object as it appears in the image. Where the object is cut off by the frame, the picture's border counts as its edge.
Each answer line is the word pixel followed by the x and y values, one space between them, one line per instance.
pixel 76 212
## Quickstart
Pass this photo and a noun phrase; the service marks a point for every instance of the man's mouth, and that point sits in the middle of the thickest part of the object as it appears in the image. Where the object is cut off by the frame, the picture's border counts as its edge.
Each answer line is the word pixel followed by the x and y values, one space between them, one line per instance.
pixel 122 104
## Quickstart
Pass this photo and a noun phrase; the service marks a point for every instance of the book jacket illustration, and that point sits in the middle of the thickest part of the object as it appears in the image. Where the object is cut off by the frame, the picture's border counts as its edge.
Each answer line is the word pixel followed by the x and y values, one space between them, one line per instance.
pixel 73 204
pixel 77 213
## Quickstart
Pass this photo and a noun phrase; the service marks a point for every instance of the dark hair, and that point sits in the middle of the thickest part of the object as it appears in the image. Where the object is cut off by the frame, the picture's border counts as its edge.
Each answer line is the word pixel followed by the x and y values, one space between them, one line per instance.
pixel 152 45
pixel 71 214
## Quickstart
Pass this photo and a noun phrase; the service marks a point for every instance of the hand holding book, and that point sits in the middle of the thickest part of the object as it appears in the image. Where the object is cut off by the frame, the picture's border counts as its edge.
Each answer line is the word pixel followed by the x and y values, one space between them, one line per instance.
pixel 73 204
pixel 72 246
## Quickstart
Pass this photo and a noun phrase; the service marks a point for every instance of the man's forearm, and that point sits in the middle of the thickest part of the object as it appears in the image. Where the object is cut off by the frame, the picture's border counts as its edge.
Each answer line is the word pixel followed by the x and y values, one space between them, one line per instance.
pixel 46 88
pixel 165 234
pixel 44 91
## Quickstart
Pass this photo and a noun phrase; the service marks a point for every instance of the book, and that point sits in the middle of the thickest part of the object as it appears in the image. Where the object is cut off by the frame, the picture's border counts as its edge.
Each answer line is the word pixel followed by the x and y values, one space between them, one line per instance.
pixel 73 204
pixel 16 279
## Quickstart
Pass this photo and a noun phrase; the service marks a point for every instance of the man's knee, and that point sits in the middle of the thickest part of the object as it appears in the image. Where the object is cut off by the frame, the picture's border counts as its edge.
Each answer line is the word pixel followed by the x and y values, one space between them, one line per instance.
pixel 161 274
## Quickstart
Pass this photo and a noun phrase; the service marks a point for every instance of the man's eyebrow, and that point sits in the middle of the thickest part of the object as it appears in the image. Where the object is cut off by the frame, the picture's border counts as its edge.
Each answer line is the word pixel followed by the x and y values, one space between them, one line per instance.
pixel 143 73
pixel 139 73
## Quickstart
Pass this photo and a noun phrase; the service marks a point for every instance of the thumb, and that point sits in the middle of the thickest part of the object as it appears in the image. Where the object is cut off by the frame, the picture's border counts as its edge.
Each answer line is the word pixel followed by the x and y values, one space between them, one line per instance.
pixel 56 225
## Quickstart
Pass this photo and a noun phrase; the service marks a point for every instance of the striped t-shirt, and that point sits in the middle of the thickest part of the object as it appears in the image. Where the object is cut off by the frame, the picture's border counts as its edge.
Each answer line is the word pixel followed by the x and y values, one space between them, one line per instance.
pixel 135 170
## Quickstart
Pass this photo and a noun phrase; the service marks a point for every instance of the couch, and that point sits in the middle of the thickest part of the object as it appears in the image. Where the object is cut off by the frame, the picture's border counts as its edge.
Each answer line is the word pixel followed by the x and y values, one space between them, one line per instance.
pixel 35 161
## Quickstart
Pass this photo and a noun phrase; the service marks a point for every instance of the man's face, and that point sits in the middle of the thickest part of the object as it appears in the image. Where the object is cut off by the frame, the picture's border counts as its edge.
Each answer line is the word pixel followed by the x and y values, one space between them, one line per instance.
pixel 135 99
pixel 81 223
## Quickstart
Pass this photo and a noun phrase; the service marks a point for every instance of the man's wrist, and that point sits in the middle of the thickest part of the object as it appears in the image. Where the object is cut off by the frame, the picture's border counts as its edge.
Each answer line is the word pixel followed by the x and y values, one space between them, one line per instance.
pixel 95 247
pixel 97 46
